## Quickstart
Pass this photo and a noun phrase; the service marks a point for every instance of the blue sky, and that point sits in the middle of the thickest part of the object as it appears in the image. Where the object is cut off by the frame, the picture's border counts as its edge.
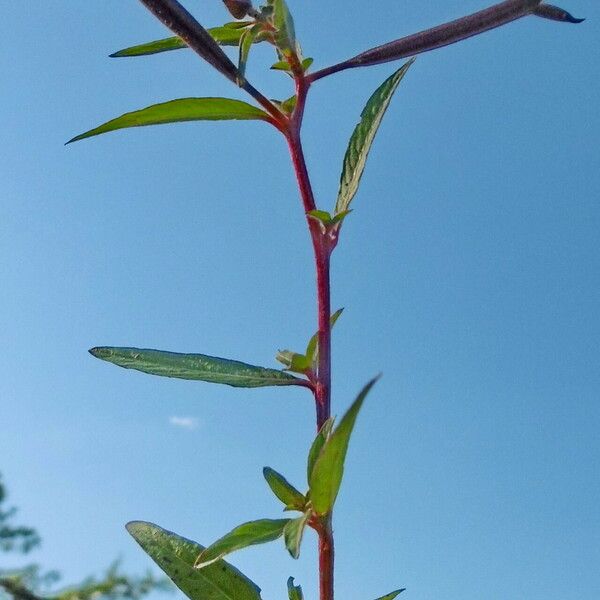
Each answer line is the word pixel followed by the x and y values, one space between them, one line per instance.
pixel 470 273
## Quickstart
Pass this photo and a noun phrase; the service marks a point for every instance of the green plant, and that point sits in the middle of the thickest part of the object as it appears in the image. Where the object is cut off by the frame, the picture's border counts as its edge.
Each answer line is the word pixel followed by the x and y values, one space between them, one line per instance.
pixel 201 572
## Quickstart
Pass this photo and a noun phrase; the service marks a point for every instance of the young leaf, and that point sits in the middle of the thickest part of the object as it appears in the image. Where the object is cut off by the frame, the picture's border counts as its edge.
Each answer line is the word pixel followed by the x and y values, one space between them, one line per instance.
pixel 246 41
pixel 391 595
pixel 184 109
pixel 328 470
pixel 248 534
pixel 224 36
pixel 292 534
pixel 284 490
pixel 174 16
pixel 285 37
pixel 294 591
pixel 175 555
pixel 292 361
pixel 363 136
pixel 317 445
pixel 199 367
pixel 313 344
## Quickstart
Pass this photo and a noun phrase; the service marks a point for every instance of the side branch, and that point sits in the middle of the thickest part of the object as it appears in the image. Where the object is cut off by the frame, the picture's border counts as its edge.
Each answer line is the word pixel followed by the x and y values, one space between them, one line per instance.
pixel 442 35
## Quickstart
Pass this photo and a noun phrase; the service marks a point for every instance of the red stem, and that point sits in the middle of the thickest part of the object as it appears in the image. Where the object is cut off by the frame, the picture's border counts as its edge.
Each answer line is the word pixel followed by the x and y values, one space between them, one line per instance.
pixel 322 251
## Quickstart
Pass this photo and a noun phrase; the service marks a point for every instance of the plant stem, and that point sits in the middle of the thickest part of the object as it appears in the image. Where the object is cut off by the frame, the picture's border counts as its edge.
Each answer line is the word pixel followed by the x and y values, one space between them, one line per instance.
pixel 322 252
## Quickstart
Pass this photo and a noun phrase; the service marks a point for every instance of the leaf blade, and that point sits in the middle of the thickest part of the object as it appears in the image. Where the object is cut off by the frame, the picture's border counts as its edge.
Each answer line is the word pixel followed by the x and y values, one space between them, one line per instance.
pixel 247 534
pixel 175 555
pixel 196 367
pixel 293 533
pixel 294 591
pixel 328 470
pixel 284 490
pixel 363 136
pixel 317 446
pixel 180 110
pixel 392 595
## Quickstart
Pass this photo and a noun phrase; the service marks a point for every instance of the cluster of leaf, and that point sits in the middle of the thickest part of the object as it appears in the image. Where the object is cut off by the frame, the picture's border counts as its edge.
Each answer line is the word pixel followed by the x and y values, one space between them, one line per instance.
pixel 201 571
pixel 31 583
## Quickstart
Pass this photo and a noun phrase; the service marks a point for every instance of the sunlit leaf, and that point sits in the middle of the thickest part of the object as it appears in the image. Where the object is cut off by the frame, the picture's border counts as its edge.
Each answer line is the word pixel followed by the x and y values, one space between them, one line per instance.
pixel 176 555
pixel 326 476
pixel 246 41
pixel 247 534
pixel 312 349
pixel 195 367
pixel 363 136
pixel 284 490
pixel 285 37
pixel 317 445
pixel 175 111
pixel 392 595
pixel 294 591
pixel 292 534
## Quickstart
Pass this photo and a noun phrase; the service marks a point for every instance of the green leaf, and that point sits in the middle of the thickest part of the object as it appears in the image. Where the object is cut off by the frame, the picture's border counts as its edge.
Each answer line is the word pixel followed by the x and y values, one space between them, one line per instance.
pixel 307 62
pixel 317 445
pixel 292 534
pixel 363 136
pixel 247 534
pixel 292 361
pixel 281 65
pixel 195 367
pixel 284 490
pixel 183 109
pixel 176 555
pixel 326 476
pixel 285 38
pixel 294 591
pixel 312 348
pixel 224 36
pixel 246 42
pixel 392 595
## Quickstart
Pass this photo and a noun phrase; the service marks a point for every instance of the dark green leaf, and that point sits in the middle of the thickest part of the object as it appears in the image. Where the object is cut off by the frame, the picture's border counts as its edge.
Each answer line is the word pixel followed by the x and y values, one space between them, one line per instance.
pixel 363 136
pixel 184 109
pixel 176 555
pixel 195 367
pixel 248 534
pixel 285 37
pixel 317 445
pixel 294 591
pixel 392 595
pixel 293 533
pixel 328 470
pixel 284 490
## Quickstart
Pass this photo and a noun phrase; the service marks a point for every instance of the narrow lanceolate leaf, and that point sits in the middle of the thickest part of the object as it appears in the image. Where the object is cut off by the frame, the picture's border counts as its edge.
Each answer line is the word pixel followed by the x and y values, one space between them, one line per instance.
pixel 312 348
pixel 174 16
pixel 327 473
pixel 246 41
pixel 200 367
pixel 176 555
pixel 292 534
pixel 363 136
pixel 391 595
pixel 294 591
pixel 317 445
pixel 285 37
pixel 284 490
pixel 224 36
pixel 248 534
pixel 176 111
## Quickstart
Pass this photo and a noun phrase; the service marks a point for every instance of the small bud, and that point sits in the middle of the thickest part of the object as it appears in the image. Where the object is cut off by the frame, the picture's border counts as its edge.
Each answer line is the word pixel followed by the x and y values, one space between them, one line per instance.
pixel 238 8
pixel 547 11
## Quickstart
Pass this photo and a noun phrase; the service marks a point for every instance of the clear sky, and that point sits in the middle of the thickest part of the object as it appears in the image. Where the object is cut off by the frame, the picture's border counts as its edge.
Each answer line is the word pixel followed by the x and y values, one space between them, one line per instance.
pixel 470 273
